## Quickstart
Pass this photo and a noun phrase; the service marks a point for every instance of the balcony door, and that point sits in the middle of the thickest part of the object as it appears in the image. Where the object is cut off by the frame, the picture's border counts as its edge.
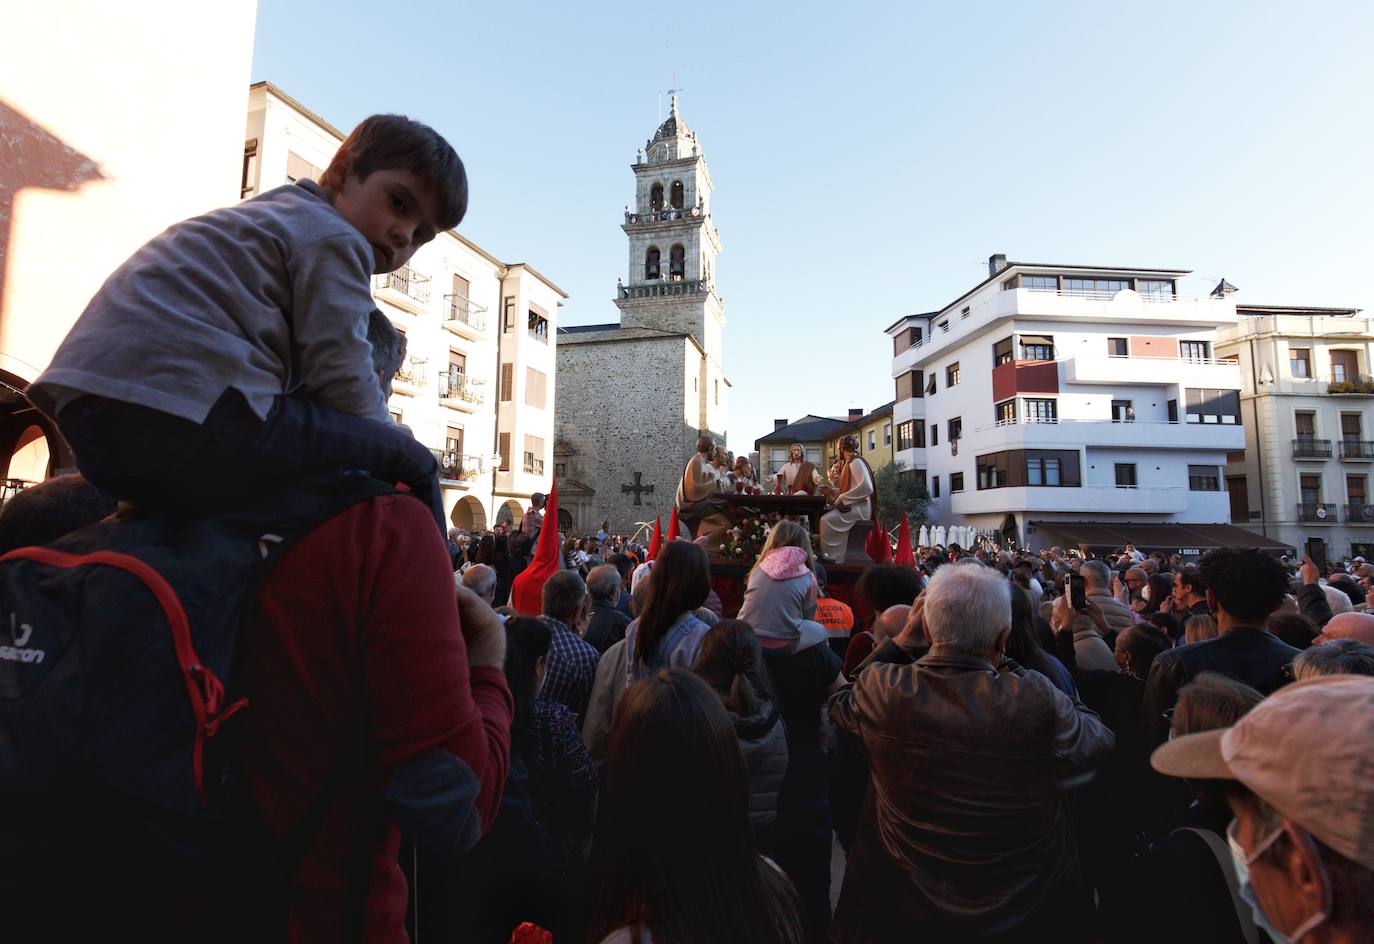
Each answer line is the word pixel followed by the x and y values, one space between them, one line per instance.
pixel 1305 426
pixel 1310 492
pixel 1342 366
pixel 1350 432
pixel 1355 494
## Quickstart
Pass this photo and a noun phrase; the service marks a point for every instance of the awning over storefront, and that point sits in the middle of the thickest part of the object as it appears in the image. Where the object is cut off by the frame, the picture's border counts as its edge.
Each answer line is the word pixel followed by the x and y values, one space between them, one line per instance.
pixel 1189 540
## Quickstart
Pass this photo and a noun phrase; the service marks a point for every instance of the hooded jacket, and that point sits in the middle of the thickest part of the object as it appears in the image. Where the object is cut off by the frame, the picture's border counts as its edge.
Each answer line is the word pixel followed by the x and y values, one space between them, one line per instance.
pixel 781 592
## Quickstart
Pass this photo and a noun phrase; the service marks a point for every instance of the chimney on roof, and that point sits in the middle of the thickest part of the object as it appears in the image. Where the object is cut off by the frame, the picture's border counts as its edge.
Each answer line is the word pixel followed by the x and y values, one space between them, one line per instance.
pixel 779 424
pixel 996 263
pixel 855 413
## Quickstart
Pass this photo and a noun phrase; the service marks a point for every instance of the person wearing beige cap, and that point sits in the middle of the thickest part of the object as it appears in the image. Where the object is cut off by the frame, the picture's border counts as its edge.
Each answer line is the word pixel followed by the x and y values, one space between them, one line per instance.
pixel 1303 834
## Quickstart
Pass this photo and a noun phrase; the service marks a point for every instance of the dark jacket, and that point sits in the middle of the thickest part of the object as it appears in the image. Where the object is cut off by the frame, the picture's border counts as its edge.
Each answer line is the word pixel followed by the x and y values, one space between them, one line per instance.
pixel 606 626
pixel 1253 655
pixel 964 835
pixel 763 742
pixel 1313 604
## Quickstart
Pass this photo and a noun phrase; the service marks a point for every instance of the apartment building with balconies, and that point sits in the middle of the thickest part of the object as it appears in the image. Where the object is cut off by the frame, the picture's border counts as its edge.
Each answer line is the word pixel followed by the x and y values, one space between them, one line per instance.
pixel 1071 404
pixel 477 382
pixel 1307 399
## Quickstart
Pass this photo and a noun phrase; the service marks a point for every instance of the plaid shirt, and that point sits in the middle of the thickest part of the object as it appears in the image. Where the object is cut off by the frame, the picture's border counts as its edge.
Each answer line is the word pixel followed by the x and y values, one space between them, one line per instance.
pixel 571 667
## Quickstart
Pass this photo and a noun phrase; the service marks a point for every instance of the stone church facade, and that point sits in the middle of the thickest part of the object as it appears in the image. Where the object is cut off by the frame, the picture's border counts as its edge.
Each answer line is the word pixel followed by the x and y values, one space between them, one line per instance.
pixel 633 395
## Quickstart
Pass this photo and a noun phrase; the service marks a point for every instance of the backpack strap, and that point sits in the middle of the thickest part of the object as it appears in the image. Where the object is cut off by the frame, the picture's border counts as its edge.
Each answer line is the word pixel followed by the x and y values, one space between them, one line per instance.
pixel 675 637
pixel 1222 853
pixel 203 688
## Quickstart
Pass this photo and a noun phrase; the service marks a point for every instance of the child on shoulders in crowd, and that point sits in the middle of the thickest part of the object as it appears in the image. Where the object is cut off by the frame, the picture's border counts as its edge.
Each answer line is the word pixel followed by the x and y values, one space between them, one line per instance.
pixel 230 352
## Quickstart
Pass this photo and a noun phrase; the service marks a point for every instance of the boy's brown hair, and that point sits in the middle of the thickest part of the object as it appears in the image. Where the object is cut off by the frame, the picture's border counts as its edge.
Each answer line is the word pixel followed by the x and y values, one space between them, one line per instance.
pixel 384 142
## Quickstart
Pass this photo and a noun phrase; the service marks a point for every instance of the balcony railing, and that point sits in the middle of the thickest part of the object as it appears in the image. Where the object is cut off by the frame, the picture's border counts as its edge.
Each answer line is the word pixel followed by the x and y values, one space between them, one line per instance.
pixel 1181 358
pixel 992 308
pixel 1360 385
pixel 1304 448
pixel 455 385
pixel 1309 511
pixel 666 214
pixel 462 310
pixel 1360 513
pixel 458 467
pixel 412 373
pixel 675 285
pixel 1357 449
pixel 532 465
pixel 407 281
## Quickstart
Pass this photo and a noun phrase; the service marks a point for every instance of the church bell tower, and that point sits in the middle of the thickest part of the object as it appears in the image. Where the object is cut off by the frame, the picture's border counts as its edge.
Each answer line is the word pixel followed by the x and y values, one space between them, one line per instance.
pixel 673 243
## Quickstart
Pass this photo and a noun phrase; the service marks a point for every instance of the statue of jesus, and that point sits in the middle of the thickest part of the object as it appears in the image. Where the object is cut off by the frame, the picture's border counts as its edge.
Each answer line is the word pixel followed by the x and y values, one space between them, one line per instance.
pixel 797 476
pixel 855 500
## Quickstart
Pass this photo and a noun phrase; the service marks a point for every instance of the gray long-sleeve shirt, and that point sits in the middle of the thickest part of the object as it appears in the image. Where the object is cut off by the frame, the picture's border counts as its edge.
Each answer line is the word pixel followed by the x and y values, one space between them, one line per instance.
pixel 211 304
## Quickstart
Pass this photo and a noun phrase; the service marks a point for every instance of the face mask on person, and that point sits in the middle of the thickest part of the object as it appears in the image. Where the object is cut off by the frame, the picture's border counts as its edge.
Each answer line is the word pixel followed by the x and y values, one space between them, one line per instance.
pixel 1145 593
pixel 1247 892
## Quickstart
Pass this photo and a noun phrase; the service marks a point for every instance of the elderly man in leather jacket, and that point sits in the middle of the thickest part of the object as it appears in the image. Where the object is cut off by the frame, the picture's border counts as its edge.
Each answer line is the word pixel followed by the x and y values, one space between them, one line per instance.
pixel 964 835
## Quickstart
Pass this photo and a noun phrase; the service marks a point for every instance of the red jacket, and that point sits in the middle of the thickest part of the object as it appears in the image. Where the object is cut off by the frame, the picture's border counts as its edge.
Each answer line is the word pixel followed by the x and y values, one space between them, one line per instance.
pixel 366 596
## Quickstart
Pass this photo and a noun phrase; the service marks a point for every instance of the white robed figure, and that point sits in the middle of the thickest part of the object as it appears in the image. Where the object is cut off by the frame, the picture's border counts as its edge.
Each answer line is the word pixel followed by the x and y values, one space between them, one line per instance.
pixel 854 501
pixel 699 509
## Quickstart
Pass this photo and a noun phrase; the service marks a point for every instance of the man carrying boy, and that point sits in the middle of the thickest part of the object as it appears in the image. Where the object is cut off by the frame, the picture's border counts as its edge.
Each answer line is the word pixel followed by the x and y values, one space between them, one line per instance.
pixel 230 353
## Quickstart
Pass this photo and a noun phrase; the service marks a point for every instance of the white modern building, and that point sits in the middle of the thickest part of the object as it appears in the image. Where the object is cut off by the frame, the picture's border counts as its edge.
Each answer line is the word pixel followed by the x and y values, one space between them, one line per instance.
pixel 1308 404
pixel 477 386
pixel 1073 405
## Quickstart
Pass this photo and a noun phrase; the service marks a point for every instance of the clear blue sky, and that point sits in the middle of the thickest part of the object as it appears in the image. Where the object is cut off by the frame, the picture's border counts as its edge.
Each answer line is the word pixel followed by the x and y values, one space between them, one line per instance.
pixel 868 158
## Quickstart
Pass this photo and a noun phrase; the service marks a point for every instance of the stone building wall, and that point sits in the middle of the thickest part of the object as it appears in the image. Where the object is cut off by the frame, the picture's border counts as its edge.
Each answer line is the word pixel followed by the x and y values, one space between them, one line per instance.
pixel 624 407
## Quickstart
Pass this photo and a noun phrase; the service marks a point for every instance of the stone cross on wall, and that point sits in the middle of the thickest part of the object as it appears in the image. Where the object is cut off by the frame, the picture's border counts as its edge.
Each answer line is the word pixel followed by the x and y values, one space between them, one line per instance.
pixel 637 488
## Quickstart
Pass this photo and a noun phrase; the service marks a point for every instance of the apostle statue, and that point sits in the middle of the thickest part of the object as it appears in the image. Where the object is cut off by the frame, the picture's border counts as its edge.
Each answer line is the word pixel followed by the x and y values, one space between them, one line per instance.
pixel 699 505
pixel 798 475
pixel 854 500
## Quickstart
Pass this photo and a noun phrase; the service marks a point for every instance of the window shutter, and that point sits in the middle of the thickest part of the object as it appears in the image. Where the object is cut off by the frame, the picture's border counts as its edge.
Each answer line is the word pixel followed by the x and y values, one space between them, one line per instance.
pixel 507 382
pixel 505 452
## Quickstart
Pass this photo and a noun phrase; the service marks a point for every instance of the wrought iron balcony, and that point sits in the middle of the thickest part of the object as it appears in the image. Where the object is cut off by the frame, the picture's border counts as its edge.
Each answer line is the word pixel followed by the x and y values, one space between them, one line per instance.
pixel 1317 512
pixel 405 281
pixel 460 310
pixel 1357 385
pixel 1305 448
pixel 412 374
pixel 458 467
pixel 533 465
pixel 1360 513
pixel 1357 450
pixel 458 386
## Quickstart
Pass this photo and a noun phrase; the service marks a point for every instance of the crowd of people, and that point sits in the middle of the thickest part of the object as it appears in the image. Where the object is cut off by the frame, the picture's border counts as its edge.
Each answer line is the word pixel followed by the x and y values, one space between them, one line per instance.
pixel 409 736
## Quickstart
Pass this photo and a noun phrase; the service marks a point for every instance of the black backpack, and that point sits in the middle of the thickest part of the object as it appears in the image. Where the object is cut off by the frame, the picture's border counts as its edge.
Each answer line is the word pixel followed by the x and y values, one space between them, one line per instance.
pixel 125 812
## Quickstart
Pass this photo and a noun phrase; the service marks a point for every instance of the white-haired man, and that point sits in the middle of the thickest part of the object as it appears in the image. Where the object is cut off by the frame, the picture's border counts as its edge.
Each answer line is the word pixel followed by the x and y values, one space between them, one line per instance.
pixel 481 580
pixel 964 835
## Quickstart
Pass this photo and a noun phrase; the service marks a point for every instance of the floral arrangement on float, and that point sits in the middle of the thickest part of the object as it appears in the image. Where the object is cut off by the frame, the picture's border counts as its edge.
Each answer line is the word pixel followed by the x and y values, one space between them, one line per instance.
pixel 744 541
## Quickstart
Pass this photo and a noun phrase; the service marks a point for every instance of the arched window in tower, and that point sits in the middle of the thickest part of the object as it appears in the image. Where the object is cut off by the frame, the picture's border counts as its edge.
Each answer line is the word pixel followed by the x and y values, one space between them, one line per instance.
pixel 677 262
pixel 656 198
pixel 677 195
pixel 651 263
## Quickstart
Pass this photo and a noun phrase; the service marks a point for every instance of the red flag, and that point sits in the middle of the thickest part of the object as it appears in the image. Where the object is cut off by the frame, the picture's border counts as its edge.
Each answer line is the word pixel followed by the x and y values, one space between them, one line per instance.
pixel 657 541
pixel 527 590
pixel 904 556
pixel 674 529
pixel 878 546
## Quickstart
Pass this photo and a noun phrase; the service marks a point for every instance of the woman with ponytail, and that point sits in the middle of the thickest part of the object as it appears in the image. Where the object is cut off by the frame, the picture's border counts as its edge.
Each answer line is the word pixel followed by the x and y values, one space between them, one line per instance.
pixel 732 664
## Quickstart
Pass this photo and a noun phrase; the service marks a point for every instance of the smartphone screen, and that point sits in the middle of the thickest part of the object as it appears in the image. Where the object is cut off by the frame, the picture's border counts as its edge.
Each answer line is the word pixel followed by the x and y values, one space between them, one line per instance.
pixel 1077 598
